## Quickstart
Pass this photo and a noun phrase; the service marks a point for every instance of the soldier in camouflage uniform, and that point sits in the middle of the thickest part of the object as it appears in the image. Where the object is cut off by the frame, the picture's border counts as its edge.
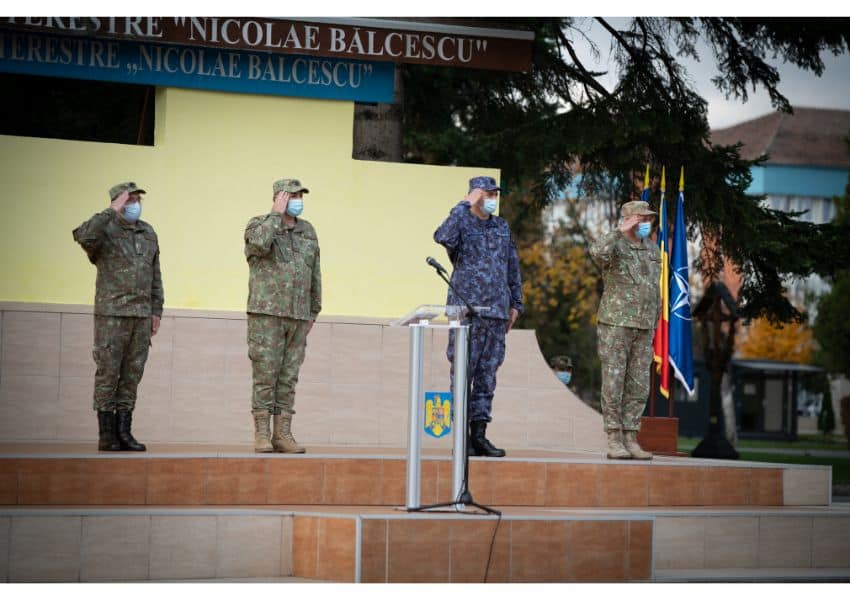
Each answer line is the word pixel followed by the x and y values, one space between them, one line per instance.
pixel 563 368
pixel 284 299
pixel 127 309
pixel 486 273
pixel 626 322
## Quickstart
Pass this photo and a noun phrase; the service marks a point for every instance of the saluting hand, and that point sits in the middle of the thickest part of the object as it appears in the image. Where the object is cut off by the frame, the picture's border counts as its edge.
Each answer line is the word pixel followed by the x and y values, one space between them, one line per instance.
pixel 475 198
pixel 119 201
pixel 628 223
pixel 281 199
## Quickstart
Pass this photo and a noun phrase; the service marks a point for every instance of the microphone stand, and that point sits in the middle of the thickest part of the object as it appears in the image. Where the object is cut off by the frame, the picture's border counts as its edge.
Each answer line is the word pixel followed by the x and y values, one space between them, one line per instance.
pixel 465 496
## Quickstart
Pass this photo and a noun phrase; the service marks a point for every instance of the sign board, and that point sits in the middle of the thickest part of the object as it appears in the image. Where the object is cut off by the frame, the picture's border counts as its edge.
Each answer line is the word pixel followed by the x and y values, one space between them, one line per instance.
pixel 230 70
pixel 384 40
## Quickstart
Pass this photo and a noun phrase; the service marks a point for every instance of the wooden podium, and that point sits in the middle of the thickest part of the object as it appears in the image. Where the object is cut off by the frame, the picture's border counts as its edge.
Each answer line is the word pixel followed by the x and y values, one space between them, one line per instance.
pixel 660 435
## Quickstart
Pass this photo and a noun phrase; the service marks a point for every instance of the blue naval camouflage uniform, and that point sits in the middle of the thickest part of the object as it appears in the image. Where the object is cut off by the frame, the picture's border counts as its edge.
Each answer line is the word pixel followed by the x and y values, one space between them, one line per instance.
pixel 486 273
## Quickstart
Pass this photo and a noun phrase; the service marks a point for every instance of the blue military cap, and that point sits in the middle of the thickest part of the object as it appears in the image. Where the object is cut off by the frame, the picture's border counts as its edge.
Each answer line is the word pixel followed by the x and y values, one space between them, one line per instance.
pixel 488 184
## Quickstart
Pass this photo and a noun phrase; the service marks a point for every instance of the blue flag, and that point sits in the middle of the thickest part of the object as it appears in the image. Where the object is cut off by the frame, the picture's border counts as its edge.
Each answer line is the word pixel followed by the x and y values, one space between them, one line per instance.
pixel 681 353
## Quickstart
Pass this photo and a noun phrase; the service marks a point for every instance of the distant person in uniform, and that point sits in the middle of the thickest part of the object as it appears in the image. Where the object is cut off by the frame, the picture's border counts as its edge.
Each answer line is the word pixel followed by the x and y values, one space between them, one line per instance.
pixel 284 299
pixel 127 309
pixel 563 368
pixel 486 273
pixel 626 322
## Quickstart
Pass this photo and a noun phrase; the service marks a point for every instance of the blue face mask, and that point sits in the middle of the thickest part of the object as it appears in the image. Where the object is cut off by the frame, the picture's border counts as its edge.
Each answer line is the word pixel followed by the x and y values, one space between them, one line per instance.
pixel 490 205
pixel 294 207
pixel 643 230
pixel 564 376
pixel 133 211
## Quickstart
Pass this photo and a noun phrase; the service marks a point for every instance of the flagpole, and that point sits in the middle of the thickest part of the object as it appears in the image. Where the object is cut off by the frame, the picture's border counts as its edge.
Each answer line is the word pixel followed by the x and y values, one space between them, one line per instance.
pixel 652 384
pixel 670 397
pixel 652 380
pixel 671 241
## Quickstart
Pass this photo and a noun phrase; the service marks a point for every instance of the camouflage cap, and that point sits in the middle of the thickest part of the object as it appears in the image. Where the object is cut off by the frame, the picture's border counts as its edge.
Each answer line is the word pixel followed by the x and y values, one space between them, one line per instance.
pixel 128 186
pixel 289 185
pixel 561 363
pixel 488 184
pixel 637 207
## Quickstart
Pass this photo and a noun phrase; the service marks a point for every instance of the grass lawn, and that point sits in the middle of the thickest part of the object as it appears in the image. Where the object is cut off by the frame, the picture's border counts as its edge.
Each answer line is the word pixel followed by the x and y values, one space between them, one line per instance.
pixel 749 450
pixel 803 442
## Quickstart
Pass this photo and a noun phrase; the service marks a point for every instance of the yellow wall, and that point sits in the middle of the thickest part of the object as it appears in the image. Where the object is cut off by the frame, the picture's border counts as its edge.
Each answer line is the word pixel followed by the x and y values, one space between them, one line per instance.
pixel 215 158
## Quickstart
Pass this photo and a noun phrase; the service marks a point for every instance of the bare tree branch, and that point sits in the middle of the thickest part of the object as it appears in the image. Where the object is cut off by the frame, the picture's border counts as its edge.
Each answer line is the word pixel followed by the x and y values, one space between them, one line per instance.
pixel 588 78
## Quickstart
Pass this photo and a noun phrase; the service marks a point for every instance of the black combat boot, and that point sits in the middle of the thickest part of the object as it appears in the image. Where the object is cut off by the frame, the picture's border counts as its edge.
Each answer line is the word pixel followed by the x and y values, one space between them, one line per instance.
pixel 106 431
pixel 470 446
pixel 125 437
pixel 481 444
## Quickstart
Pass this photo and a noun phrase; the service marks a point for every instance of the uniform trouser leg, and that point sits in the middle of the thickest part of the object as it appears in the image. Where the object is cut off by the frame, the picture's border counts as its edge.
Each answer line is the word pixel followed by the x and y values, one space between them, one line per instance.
pixel 294 350
pixel 486 355
pixel 625 354
pixel 276 347
pixel 636 388
pixel 613 354
pixel 265 350
pixel 112 336
pixel 133 363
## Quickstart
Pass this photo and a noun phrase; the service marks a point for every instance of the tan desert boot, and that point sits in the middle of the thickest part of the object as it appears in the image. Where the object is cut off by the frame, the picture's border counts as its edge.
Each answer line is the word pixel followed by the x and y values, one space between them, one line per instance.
pixel 282 439
pixel 630 442
pixel 262 443
pixel 615 445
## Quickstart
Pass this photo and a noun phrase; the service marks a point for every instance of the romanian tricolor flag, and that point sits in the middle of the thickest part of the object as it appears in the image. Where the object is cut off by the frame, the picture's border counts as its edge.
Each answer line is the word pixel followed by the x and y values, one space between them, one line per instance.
pixel 661 343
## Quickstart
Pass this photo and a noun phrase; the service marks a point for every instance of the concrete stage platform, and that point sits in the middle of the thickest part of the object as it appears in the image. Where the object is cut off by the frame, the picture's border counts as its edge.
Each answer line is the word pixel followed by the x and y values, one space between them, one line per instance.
pixel 69 513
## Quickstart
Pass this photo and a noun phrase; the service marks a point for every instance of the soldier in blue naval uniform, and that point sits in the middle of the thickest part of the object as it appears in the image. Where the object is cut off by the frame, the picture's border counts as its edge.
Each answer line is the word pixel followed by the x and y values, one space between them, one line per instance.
pixel 486 273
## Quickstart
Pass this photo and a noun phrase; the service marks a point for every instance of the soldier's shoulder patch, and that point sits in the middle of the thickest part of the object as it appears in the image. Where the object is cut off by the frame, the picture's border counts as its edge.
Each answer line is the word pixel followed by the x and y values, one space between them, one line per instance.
pixel 254 222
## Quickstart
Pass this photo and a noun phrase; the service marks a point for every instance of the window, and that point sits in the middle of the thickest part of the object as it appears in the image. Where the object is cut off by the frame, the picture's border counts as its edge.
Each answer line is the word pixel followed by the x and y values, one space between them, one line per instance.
pixel 75 109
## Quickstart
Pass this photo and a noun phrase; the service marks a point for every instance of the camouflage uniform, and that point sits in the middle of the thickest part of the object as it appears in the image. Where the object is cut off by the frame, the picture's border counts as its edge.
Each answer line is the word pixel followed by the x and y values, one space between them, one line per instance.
pixel 285 294
pixel 628 314
pixel 486 273
pixel 128 292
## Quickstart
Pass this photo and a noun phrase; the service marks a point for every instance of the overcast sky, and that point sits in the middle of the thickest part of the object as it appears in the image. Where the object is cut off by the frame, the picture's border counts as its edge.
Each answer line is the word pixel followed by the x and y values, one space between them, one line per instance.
pixel 802 88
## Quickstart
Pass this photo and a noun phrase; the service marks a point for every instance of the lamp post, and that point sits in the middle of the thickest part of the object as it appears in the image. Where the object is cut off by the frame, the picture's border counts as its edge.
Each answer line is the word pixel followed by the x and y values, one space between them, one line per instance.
pixel 716 308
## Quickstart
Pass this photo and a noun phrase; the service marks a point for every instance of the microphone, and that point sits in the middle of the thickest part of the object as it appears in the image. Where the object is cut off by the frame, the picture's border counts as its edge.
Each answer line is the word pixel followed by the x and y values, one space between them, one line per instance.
pixel 436 265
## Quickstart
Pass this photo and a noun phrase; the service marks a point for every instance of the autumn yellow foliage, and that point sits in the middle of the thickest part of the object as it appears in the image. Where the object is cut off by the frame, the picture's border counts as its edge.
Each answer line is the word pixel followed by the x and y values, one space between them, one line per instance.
pixel 790 343
pixel 559 284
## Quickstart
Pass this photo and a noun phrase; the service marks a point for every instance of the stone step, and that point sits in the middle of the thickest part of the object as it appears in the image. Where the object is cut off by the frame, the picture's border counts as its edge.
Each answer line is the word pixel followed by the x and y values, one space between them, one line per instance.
pixel 377 544
pixel 783 575
pixel 56 474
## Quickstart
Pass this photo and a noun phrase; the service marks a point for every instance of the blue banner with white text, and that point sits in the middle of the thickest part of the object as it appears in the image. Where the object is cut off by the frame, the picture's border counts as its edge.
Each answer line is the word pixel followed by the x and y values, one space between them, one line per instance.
pixel 195 67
